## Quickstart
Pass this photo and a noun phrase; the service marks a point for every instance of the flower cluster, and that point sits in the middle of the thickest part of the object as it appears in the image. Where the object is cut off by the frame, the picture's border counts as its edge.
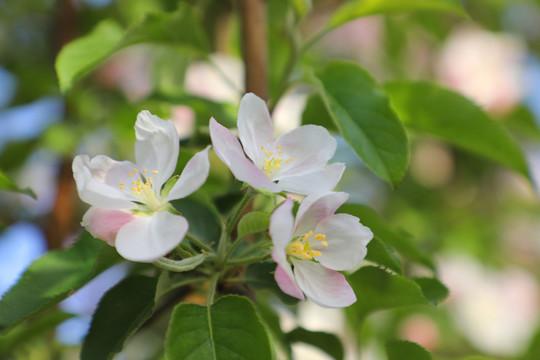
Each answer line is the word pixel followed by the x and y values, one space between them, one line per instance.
pixel 130 201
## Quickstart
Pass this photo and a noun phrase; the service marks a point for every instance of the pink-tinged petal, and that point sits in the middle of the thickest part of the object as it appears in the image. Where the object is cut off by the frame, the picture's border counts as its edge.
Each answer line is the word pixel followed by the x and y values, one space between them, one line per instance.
pixel 192 177
pixel 314 182
pixel 224 142
pixel 315 208
pixel 156 147
pixel 310 146
pixel 286 282
pixel 325 287
pixel 347 240
pixel 254 126
pixel 244 170
pixel 99 181
pixel 280 229
pixel 147 238
pixel 104 224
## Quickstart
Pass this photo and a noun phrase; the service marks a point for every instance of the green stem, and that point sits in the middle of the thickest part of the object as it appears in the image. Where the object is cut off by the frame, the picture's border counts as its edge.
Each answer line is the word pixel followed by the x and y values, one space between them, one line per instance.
pixel 212 289
pixel 195 241
pixel 249 260
pixel 254 247
pixel 231 249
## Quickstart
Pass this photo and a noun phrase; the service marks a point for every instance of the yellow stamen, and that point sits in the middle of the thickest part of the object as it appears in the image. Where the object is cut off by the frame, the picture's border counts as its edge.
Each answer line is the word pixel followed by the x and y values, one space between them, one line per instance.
pixel 320 237
pixel 324 243
pixel 154 172
pixel 291 159
pixel 130 174
pixel 267 140
pixel 135 170
pixel 144 171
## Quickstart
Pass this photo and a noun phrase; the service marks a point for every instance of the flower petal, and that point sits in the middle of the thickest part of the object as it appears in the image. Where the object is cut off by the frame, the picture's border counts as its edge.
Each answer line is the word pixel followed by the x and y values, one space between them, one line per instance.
pixel 280 229
pixel 192 177
pixel 313 182
pixel 254 126
pixel 244 170
pixel 224 142
pixel 104 224
pixel 311 147
pixel 147 238
pixel 325 287
pixel 156 147
pixel 98 181
pixel 347 240
pixel 315 208
pixel 285 279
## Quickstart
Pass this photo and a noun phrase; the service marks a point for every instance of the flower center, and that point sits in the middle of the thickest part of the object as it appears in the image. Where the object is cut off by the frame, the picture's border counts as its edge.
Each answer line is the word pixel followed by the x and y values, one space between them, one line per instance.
pixel 301 247
pixel 272 161
pixel 143 188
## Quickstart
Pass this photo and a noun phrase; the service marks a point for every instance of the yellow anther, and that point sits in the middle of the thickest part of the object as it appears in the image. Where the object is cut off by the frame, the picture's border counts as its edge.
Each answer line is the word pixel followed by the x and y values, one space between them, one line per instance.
pixel 135 170
pixel 271 153
pixel 154 172
pixel 121 184
pixel 324 243
pixel 280 151
pixel 121 188
pixel 204 252
pixel 291 159
pixel 150 178
pixel 320 237
pixel 277 147
pixel 134 189
pixel 267 140
pixel 262 147
pixel 315 253
pixel 130 174
pixel 134 183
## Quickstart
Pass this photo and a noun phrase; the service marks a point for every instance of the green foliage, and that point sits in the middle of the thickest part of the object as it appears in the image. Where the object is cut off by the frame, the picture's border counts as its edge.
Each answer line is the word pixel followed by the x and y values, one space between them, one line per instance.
pixel 8 185
pixel 327 342
pixel 401 242
pixel 381 254
pixel 82 55
pixel 53 277
pixel 121 311
pixel 406 350
pixel 443 113
pixel 433 289
pixel 363 115
pixel 377 289
pixel 228 329
pixel 252 223
pixel 316 113
pixel 358 8
pixel 260 276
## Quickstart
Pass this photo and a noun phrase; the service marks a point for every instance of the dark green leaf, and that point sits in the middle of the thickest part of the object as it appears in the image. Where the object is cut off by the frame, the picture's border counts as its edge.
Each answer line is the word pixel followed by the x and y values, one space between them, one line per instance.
pixel 385 233
pixel 358 8
pixel 229 329
pixel 376 289
pixel 121 311
pixel 327 342
pixel 51 279
pixel 253 222
pixel 202 222
pixel 7 184
pixel 443 113
pixel 363 115
pixel 433 289
pixel 82 55
pixel 260 276
pixel 316 113
pixel 406 350
pixel 380 254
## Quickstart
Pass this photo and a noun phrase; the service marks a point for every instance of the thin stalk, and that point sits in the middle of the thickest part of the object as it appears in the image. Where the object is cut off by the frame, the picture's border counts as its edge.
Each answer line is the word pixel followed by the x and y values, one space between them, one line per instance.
pixel 249 260
pixel 195 241
pixel 212 289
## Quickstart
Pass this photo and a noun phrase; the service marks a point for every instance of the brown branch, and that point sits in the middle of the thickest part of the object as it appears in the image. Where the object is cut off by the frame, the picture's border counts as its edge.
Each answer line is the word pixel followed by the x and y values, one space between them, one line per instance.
pixel 253 14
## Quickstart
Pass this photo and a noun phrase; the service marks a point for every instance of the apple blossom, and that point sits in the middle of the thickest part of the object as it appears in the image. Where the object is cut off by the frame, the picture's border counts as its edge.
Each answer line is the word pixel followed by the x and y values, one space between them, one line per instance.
pixel 318 244
pixel 297 160
pixel 130 206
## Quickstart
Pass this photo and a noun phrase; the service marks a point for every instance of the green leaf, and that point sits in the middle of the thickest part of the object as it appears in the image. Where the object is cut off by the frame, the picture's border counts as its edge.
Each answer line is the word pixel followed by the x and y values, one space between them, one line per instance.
pixel 26 331
pixel 363 115
pixel 327 342
pixel 384 232
pixel 316 113
pixel 452 117
pixel 52 278
pixel 202 221
pixel 229 329
pixel 121 311
pixel 7 184
pixel 376 289
pixel 260 276
pixel 253 222
pixel 82 55
pixel 186 264
pixel 359 8
pixel 433 289
pixel 406 350
pixel 379 253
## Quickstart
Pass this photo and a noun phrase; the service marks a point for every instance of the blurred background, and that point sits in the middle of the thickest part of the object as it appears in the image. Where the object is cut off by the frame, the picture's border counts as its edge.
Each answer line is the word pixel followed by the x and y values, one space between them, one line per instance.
pixel 480 220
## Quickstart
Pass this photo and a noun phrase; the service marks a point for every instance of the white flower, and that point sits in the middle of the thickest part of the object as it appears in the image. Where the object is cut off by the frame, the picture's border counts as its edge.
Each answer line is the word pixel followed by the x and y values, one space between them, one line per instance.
pixel 297 160
pixel 129 209
pixel 318 244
